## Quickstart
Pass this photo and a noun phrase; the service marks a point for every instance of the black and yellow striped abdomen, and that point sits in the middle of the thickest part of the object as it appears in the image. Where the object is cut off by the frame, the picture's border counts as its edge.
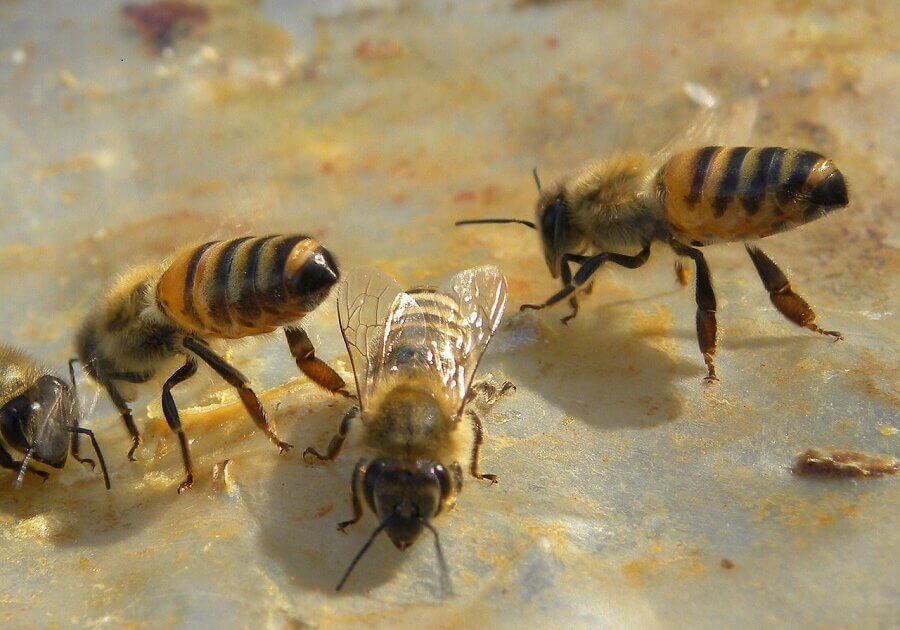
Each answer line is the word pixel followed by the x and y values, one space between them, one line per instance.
pixel 431 333
pixel 245 286
pixel 715 194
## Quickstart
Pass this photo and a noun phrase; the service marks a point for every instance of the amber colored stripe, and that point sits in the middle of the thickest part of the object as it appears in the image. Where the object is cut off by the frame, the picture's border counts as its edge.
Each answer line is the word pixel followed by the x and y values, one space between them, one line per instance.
pixel 190 275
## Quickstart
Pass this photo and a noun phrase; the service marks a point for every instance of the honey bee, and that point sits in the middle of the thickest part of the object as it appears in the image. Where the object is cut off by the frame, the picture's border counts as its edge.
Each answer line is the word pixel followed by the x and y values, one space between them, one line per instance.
pixel 414 356
pixel 156 317
pixel 697 197
pixel 39 418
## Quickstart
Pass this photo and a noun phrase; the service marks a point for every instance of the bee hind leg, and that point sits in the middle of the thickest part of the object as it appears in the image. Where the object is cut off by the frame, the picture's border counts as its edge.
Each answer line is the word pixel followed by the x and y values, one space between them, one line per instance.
pixel 706 308
pixel 237 380
pixel 334 447
pixel 792 306
pixel 314 368
pixel 170 411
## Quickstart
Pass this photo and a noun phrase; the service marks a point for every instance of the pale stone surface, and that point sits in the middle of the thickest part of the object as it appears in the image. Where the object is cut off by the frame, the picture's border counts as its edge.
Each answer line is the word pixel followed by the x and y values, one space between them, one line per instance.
pixel 627 486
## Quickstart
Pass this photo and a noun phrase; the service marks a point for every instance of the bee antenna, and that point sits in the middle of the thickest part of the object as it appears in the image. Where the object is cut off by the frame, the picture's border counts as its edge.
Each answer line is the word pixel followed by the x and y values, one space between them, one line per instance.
pixel 537 180
pixel 363 551
pixel 25 461
pixel 519 221
pixel 446 584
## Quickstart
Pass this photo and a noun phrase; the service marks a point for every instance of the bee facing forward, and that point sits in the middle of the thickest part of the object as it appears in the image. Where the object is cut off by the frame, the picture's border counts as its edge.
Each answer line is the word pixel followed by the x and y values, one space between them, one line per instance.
pixel 39 418
pixel 155 317
pixel 414 358
pixel 698 197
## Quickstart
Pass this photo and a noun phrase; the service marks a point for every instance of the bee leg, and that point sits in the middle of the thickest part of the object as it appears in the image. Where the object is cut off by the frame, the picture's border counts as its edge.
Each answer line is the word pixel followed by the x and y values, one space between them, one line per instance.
pixel 76 446
pixel 681 273
pixel 589 266
pixel 237 380
pixel 358 473
pixel 565 272
pixel 490 393
pixel 706 308
pixel 476 448
pixel 788 303
pixel 125 412
pixel 170 411
pixel 315 369
pixel 334 447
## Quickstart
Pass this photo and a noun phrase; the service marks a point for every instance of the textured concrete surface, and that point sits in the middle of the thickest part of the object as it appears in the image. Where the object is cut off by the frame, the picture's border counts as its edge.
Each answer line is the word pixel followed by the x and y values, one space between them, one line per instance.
pixel 631 494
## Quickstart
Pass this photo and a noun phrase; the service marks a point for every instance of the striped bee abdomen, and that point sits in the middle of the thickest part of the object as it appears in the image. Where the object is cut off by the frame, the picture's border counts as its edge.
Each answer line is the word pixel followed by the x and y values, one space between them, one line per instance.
pixel 432 333
pixel 736 193
pixel 245 286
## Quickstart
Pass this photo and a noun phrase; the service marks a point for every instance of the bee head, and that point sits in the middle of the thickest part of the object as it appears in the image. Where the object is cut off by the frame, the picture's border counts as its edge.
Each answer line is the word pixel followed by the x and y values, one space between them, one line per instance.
pixel 27 422
pixel 406 496
pixel 553 225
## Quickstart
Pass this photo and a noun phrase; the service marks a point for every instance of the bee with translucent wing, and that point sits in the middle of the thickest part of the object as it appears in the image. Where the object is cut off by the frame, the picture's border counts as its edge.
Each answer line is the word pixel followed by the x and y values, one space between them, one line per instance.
pixel 414 356
pixel 39 418
pixel 613 210
pixel 159 320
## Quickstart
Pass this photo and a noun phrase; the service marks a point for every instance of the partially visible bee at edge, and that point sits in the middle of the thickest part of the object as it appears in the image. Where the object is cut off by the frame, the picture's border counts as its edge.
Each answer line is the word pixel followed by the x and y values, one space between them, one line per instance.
pixel 415 355
pixel 698 197
pixel 159 319
pixel 39 418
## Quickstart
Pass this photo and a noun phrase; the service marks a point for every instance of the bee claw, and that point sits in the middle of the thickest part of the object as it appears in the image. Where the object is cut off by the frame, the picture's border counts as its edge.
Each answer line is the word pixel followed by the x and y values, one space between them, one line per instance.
pixel 283 447
pixel 185 485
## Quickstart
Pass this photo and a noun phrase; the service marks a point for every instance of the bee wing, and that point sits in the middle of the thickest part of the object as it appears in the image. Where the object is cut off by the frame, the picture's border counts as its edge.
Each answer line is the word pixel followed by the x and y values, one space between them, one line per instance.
pixel 364 302
pixel 480 295
pixel 726 124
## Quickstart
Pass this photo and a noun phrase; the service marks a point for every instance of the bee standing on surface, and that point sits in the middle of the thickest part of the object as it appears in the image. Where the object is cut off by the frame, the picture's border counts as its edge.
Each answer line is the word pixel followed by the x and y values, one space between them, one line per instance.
pixel 698 197
pixel 39 418
pixel 414 358
pixel 155 317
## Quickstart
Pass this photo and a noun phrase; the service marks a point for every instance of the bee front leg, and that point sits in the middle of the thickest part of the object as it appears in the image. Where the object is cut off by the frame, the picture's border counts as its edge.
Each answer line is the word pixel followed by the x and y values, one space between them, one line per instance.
pixel 337 442
pixel 358 473
pixel 589 266
pixel 476 450
pixel 315 369
pixel 566 274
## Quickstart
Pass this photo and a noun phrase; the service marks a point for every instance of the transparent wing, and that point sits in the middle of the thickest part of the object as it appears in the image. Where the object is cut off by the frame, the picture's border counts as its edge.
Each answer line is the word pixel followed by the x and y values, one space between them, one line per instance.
pixel 364 302
pixel 443 333
pixel 481 297
pixel 726 124
pixel 425 332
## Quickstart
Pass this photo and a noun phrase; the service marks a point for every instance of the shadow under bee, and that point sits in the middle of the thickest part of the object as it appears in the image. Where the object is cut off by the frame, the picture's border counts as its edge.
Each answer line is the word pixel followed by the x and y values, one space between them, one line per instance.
pixel 609 358
pixel 300 507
